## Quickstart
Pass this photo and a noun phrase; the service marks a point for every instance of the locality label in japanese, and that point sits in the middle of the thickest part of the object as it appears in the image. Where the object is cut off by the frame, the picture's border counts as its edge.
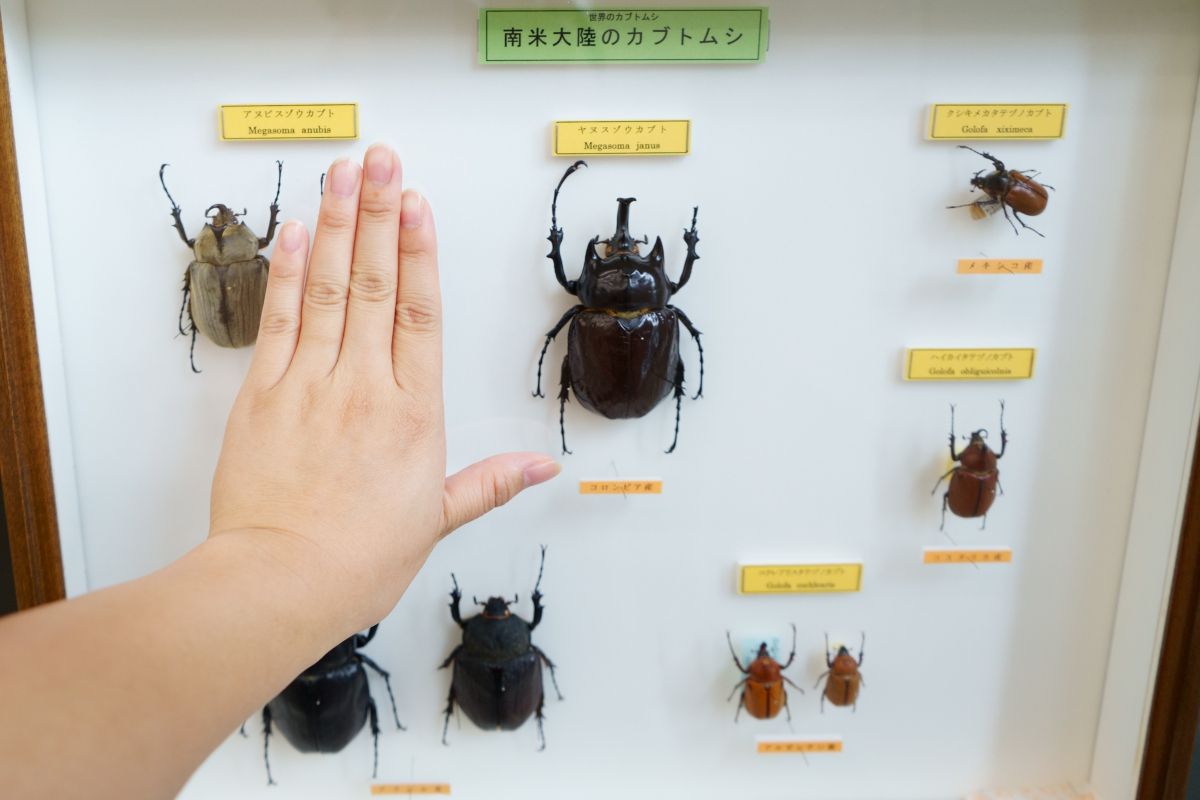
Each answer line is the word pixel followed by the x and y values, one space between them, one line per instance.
pixel 288 121
pixel 410 789
pixel 999 266
pixel 793 744
pixel 979 364
pixel 622 486
pixel 997 120
pixel 799 578
pixel 967 555
pixel 622 35
pixel 633 137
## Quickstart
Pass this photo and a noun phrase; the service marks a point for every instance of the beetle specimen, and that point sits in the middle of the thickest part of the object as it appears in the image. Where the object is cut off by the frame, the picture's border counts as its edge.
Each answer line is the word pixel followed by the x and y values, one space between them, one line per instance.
pixel 497 677
pixel 224 286
pixel 623 345
pixel 1010 189
pixel 762 688
pixel 327 704
pixel 842 679
pixel 974 478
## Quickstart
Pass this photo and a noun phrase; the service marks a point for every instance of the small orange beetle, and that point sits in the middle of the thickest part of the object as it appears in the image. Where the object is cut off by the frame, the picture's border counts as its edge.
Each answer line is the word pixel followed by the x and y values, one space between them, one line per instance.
pixel 1011 190
pixel 763 694
pixel 844 679
pixel 975 478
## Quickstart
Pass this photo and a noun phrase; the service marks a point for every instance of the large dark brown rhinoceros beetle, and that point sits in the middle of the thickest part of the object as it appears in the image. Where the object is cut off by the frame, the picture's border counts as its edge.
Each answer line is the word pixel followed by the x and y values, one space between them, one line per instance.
pixel 497 679
pixel 623 345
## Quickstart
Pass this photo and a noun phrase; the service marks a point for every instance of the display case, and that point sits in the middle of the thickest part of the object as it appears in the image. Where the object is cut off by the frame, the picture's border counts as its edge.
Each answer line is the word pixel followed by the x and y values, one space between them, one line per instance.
pixel 826 255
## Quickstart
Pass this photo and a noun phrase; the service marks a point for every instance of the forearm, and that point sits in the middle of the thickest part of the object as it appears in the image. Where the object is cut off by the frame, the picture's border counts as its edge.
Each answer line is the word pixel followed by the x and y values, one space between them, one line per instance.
pixel 123 692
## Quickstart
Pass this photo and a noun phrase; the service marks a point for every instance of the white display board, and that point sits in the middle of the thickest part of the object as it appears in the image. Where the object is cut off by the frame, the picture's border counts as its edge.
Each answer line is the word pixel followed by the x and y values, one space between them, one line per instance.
pixel 825 251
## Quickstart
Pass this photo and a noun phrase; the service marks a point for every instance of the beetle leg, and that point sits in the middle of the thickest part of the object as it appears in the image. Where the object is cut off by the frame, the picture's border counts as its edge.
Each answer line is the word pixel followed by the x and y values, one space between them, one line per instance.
pixel 567 317
pixel 939 483
pixel 263 241
pixel 793 683
pixel 386 682
pixel 550 664
pixel 792 657
pixel 737 686
pixel 537 593
pixel 449 711
pixel 242 731
pixel 828 658
pixel 563 396
pixel 175 210
pixel 741 669
pixel 862 648
pixel 945 503
pixel 997 163
pixel 373 717
pixel 678 402
pixel 266 717
pixel 455 599
pixel 983 525
pixel 450 658
pixel 691 237
pixel 540 718
pixel 687 323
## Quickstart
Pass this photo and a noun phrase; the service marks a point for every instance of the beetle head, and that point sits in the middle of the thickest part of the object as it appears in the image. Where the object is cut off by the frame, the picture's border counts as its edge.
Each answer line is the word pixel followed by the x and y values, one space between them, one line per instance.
pixel 621 241
pixel 223 216
pixel 496 607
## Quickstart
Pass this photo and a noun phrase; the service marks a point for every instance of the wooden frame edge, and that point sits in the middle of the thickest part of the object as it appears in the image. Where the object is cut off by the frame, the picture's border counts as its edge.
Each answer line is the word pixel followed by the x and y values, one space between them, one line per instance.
pixel 25 473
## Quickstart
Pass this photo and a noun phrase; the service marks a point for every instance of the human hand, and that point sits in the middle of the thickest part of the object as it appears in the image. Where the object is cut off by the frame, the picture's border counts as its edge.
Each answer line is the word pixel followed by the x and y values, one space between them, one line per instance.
pixel 334 454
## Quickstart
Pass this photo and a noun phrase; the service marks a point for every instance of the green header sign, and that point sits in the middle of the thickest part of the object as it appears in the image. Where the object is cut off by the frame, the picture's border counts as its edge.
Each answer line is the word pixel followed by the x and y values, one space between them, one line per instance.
pixel 647 35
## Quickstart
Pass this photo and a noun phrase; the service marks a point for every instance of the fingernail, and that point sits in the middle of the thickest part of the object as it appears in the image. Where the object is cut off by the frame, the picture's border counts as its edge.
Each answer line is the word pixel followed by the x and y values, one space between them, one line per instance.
pixel 343 177
pixel 412 209
pixel 541 472
pixel 380 164
pixel 291 236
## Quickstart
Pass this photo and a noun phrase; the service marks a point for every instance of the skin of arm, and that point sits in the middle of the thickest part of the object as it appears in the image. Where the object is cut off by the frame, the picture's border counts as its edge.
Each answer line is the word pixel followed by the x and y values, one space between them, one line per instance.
pixel 329 494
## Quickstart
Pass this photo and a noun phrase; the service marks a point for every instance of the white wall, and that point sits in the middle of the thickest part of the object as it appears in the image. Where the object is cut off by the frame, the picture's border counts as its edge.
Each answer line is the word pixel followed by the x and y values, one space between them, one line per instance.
pixel 825 251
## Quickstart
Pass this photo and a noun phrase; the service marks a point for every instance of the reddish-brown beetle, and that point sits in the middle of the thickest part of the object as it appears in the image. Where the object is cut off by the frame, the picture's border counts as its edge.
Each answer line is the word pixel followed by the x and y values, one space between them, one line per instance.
pixel 975 478
pixel 763 694
pixel 844 679
pixel 1010 189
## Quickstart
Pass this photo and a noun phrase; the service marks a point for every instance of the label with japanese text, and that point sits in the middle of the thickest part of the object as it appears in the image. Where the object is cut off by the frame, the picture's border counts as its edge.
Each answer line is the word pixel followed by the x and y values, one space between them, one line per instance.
pixel 622 486
pixel 792 744
pixel 997 121
pixel 410 788
pixel 967 555
pixel 999 266
pixel 978 364
pixel 589 36
pixel 641 137
pixel 799 578
pixel 289 121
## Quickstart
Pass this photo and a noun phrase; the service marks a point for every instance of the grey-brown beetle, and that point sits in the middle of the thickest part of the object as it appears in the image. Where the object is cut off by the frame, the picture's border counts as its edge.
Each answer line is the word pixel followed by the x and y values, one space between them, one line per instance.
pixel 227 279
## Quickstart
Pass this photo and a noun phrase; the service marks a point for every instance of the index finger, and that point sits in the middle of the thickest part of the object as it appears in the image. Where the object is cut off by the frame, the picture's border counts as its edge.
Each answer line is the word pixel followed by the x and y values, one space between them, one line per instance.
pixel 417 334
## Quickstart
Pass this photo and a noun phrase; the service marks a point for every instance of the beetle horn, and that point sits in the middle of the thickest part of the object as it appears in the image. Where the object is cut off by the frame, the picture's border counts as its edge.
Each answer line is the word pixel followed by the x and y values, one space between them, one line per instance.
pixel 621 239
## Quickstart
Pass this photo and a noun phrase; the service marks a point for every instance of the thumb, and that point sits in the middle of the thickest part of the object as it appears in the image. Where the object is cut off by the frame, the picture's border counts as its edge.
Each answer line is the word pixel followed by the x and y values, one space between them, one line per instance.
pixel 485 485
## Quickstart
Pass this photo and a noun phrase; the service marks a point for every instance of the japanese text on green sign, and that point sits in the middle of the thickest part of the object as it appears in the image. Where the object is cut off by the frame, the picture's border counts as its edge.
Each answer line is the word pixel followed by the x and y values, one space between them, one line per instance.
pixel 622 35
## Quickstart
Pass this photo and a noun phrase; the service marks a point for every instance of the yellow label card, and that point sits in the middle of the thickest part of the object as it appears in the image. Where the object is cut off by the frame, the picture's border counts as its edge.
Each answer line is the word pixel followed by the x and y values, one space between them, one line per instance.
pixel 778 744
pixel 622 486
pixel 289 121
pixel 410 788
pixel 999 266
pixel 968 555
pixel 799 578
pixel 980 364
pixel 629 137
pixel 997 120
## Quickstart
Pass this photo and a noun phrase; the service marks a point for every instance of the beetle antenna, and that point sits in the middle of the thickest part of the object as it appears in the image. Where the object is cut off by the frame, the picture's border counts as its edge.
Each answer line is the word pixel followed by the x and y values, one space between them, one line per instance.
pixel 163 181
pixel 542 565
pixel 554 203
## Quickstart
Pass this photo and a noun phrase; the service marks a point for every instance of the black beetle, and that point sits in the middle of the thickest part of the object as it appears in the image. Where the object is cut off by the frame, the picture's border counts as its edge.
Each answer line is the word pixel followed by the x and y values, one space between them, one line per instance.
pixel 327 705
pixel 623 345
pixel 497 676
pixel 227 279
